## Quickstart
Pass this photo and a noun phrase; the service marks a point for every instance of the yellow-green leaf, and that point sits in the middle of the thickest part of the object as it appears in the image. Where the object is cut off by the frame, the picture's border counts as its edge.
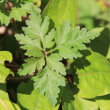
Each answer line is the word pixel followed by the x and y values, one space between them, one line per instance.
pixel 61 10
pixel 4 72
pixel 8 105
pixel 5 56
pixel 103 102
pixel 36 101
pixel 93 72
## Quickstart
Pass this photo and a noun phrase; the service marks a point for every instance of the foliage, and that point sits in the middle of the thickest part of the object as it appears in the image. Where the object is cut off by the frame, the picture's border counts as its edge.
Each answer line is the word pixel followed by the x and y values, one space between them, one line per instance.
pixel 63 38
pixel 4 56
pixel 19 10
pixel 5 103
pixel 93 71
pixel 80 104
pixel 56 64
pixel 59 14
pixel 36 100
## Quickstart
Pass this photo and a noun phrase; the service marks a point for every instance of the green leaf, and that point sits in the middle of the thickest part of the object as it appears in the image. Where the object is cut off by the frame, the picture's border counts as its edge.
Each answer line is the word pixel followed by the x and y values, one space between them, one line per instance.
pixel 88 22
pixel 48 39
pixel 8 105
pixel 79 37
pixel 33 47
pixel 2 1
pixel 48 82
pixel 54 64
pixel 31 65
pixel 62 33
pixel 3 92
pixel 88 8
pixel 5 103
pixel 64 37
pixel 61 10
pixel 80 104
pixel 48 44
pixel 4 72
pixel 104 16
pixel 103 102
pixel 18 13
pixel 5 56
pixel 4 19
pixel 37 27
pixel 20 9
pixel 93 71
pixel 72 40
pixel 36 101
pixel 66 52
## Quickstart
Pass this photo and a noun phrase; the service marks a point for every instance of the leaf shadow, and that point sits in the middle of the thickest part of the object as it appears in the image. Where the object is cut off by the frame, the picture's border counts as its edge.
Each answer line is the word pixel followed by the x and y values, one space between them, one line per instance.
pixel 82 62
pixel 3 87
pixel 51 25
pixel 26 87
pixel 67 93
pixel 104 97
pixel 101 44
pixel 79 63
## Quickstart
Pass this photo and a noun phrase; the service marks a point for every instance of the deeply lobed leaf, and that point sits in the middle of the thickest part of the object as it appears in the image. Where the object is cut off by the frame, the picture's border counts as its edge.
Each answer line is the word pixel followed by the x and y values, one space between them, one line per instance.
pixel 48 82
pixel 47 48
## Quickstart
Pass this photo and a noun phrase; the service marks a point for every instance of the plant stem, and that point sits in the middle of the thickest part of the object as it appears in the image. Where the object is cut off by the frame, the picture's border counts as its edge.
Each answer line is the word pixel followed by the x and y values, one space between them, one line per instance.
pixel 52 50
pixel 19 79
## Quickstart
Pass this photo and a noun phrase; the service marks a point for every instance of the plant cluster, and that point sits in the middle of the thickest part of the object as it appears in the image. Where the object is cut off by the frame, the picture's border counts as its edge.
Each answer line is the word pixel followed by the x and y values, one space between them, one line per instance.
pixel 48 63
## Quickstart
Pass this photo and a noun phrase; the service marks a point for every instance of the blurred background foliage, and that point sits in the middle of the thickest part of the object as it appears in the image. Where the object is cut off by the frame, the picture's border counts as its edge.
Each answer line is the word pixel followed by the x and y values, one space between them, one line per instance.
pixel 90 14
pixel 86 13
pixel 94 14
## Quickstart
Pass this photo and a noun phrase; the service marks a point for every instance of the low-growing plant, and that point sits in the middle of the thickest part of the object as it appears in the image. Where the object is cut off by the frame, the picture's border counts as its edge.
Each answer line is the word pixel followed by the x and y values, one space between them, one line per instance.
pixel 55 67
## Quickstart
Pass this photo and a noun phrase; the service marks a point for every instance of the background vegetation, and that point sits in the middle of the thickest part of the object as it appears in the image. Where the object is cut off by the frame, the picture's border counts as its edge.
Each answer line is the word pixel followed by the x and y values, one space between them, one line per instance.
pixel 82 81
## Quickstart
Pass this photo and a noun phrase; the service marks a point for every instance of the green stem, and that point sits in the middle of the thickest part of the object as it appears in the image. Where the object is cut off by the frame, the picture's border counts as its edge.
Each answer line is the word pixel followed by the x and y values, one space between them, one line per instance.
pixel 52 50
